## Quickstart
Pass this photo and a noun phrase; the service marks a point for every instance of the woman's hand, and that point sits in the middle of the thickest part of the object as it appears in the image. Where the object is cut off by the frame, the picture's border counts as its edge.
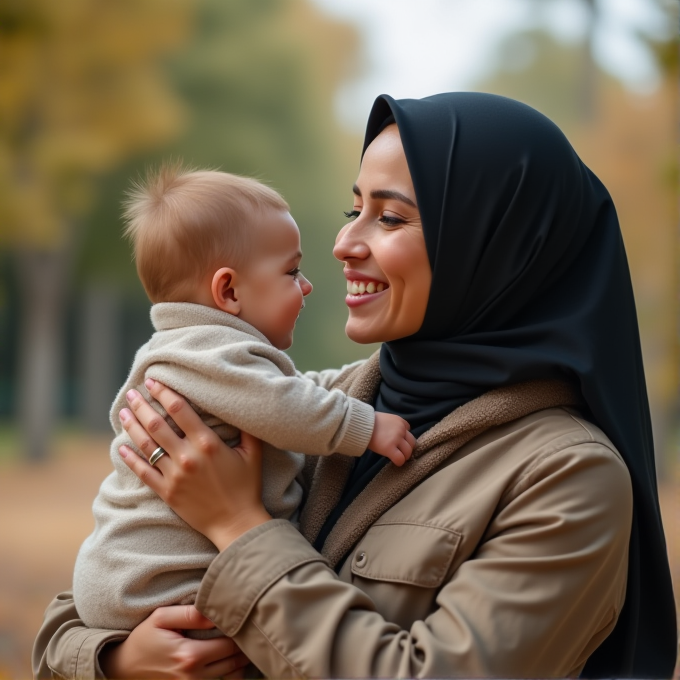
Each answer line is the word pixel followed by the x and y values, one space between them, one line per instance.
pixel 156 649
pixel 217 490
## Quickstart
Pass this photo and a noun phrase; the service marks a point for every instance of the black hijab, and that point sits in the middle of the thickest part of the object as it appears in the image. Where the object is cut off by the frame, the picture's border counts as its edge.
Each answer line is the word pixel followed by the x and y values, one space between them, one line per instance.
pixel 529 280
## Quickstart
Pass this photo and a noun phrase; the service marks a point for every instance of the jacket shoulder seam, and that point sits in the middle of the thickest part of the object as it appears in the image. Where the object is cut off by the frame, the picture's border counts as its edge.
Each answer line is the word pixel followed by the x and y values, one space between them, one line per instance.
pixel 580 423
pixel 543 457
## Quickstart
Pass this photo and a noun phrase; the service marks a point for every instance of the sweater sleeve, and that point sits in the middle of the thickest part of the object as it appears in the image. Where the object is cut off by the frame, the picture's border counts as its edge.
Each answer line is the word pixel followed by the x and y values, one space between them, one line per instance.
pixel 330 377
pixel 541 593
pixel 255 391
pixel 65 647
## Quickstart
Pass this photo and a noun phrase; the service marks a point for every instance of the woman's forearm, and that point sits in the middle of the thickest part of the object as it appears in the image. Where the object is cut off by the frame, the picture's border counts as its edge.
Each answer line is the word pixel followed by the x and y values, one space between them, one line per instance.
pixel 65 647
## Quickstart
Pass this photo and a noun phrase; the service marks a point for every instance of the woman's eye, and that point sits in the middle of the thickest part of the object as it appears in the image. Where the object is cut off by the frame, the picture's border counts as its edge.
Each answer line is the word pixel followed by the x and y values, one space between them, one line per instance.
pixel 295 272
pixel 390 221
pixel 352 214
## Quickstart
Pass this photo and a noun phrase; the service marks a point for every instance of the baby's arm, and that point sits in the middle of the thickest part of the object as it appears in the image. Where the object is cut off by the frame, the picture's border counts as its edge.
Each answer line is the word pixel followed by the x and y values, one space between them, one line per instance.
pixel 255 387
pixel 391 438
pixel 330 377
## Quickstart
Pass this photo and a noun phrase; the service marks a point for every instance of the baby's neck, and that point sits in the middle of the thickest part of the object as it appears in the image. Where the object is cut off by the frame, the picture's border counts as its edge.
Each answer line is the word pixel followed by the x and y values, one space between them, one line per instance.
pixel 200 295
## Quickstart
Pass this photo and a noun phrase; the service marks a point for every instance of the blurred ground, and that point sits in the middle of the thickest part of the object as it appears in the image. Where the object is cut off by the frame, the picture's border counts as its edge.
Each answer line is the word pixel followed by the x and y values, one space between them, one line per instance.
pixel 45 515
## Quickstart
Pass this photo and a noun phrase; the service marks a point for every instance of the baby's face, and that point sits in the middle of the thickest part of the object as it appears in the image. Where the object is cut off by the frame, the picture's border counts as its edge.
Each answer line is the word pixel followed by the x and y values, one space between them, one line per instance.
pixel 271 287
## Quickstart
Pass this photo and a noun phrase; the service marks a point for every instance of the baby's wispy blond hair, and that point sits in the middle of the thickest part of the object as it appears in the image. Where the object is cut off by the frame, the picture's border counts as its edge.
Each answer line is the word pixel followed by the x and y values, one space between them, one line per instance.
pixel 183 222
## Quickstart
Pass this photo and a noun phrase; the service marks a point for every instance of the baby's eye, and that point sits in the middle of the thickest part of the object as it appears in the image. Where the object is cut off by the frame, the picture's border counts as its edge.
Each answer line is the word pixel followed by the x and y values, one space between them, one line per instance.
pixel 295 272
pixel 352 214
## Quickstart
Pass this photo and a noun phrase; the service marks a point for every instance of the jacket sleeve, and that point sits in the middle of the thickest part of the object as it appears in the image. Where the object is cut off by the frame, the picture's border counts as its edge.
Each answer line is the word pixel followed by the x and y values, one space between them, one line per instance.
pixel 542 591
pixel 65 647
pixel 289 411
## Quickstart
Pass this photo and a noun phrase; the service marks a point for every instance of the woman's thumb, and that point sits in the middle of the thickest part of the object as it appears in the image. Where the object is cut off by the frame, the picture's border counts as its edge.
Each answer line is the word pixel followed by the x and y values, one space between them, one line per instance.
pixel 180 617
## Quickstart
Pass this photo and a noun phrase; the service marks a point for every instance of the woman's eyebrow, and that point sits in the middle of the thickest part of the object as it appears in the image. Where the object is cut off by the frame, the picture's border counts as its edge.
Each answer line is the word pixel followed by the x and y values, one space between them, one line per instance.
pixel 387 193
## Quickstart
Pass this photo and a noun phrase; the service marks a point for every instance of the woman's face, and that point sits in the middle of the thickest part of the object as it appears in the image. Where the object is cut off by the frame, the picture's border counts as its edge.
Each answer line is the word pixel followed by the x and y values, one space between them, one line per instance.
pixel 383 248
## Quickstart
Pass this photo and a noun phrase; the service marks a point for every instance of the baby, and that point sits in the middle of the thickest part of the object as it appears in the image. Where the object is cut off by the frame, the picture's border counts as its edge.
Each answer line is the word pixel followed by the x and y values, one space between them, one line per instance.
pixel 219 257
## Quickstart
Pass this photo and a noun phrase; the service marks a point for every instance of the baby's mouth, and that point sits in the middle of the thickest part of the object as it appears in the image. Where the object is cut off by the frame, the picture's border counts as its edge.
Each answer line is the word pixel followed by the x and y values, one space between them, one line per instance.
pixel 364 287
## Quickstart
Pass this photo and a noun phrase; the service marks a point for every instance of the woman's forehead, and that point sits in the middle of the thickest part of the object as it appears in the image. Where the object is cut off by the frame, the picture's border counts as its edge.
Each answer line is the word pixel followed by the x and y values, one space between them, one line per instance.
pixel 384 167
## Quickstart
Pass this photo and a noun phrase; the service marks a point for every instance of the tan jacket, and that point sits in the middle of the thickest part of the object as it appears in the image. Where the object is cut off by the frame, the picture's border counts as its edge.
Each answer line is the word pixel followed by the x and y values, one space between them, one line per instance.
pixel 500 550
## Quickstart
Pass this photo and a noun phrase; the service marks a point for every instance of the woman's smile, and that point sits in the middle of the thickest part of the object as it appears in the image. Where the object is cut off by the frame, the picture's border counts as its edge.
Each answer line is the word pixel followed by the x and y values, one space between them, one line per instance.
pixel 363 288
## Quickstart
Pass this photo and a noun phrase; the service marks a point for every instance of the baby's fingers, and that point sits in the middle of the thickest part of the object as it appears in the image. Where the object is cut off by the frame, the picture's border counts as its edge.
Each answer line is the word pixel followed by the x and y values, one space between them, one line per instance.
pixel 397 457
pixel 405 448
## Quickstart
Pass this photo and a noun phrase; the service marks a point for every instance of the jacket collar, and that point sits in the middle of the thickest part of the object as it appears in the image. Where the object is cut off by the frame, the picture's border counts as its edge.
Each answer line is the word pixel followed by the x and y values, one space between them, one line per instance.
pixel 433 448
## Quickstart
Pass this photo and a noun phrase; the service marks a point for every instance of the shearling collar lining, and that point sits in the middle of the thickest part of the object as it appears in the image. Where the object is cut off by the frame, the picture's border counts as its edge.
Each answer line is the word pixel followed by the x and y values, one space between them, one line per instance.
pixel 435 446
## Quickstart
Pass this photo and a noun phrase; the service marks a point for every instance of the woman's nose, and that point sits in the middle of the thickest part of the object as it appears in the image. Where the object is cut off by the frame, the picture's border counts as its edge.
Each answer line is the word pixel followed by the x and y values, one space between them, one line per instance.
pixel 349 244
pixel 305 285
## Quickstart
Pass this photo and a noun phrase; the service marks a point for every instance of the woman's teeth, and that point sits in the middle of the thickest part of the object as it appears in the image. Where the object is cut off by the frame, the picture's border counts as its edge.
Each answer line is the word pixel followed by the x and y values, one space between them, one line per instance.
pixel 361 287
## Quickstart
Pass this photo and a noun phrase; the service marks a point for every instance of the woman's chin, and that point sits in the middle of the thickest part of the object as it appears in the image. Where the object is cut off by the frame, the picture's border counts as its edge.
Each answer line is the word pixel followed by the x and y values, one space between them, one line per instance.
pixel 362 333
pixel 356 333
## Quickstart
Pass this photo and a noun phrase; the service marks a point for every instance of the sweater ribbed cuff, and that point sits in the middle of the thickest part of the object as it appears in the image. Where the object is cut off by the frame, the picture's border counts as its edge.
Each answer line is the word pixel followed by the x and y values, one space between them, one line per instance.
pixel 359 430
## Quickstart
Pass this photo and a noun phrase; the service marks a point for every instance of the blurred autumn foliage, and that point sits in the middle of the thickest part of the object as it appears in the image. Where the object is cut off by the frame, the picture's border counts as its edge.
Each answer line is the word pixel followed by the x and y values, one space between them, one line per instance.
pixel 630 141
pixel 80 90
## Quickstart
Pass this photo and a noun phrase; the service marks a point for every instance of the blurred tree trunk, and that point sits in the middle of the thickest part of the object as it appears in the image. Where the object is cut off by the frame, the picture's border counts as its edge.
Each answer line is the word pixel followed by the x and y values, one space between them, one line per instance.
pixel 42 277
pixel 99 355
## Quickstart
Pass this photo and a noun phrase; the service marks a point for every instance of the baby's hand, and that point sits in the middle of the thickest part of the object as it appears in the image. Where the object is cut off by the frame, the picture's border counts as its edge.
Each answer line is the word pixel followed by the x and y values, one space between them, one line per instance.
pixel 391 438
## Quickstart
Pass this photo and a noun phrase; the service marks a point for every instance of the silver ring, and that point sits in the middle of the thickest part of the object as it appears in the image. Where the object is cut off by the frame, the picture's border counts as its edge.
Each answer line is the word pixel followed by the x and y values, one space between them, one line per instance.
pixel 157 455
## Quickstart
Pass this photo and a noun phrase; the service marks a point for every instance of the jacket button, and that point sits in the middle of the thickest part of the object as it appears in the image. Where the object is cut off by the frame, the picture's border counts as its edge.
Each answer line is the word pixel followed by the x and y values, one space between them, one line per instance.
pixel 360 559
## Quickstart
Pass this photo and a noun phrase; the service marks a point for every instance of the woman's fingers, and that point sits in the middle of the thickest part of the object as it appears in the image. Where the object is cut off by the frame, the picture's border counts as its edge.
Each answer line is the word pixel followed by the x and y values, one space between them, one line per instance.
pixel 411 440
pixel 177 407
pixel 228 668
pixel 139 436
pixel 146 473
pixel 216 650
pixel 181 617
pixel 154 430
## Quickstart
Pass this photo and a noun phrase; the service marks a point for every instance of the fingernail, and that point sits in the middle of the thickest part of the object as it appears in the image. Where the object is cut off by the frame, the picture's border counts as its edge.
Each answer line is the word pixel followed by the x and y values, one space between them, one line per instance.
pixel 149 383
pixel 122 452
pixel 124 415
pixel 131 395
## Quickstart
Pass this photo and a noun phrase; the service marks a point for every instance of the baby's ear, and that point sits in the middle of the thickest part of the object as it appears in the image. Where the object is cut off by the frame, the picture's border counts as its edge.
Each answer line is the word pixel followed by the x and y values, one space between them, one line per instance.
pixel 223 291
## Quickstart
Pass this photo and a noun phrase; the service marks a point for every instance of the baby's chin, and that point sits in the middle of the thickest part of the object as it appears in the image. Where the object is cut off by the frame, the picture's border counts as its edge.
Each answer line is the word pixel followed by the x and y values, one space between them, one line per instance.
pixel 282 343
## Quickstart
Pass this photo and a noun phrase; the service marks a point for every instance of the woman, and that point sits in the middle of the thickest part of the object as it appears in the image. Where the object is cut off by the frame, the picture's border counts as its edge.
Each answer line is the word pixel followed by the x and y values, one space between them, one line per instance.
pixel 524 538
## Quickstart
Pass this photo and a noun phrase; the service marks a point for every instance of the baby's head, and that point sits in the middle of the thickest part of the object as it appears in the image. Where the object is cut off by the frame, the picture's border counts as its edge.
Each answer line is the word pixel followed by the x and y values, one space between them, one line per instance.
pixel 219 240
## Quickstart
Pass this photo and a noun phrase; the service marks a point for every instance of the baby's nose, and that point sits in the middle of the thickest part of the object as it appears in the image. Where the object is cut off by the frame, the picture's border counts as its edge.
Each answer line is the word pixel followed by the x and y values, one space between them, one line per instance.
pixel 305 285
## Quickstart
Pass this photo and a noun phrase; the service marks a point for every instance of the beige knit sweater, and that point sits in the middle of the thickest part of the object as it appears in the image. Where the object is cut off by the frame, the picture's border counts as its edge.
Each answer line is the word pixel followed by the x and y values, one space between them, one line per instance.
pixel 141 555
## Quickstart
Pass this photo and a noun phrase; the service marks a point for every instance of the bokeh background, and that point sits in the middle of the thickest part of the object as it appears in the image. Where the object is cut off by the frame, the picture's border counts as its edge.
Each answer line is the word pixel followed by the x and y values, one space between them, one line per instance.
pixel 94 91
